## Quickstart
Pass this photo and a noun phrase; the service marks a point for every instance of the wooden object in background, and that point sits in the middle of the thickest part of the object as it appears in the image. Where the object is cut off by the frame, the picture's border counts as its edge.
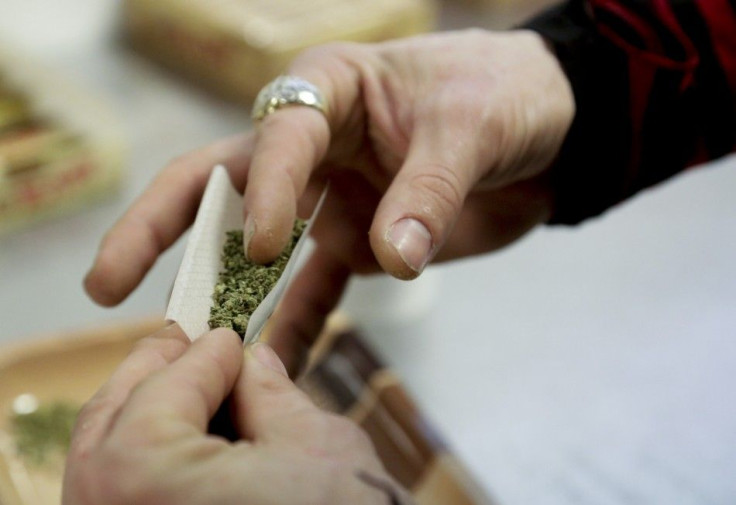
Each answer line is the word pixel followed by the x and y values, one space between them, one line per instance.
pixel 236 47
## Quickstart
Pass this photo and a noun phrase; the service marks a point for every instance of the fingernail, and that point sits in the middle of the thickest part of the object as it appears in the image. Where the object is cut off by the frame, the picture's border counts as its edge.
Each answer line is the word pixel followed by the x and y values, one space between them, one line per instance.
pixel 267 357
pixel 412 241
pixel 249 229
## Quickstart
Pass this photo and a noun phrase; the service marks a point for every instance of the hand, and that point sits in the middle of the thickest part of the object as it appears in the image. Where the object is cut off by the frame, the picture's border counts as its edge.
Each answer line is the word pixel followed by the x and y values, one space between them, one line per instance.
pixel 436 147
pixel 142 439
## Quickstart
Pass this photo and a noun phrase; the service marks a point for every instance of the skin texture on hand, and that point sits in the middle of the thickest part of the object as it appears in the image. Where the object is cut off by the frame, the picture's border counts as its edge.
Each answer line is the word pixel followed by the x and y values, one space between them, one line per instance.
pixel 436 147
pixel 143 438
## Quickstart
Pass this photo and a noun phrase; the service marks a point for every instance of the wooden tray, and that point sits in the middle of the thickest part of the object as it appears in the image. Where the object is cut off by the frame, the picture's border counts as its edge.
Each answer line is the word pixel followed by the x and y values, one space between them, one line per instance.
pixel 345 377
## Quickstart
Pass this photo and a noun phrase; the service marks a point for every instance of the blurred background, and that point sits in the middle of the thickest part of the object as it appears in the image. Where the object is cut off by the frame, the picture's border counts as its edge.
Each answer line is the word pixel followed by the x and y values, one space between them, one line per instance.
pixel 594 364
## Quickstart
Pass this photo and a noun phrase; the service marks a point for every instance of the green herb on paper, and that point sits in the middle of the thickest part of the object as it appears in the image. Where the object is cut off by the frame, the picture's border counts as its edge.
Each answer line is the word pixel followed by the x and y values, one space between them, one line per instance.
pixel 44 432
pixel 242 285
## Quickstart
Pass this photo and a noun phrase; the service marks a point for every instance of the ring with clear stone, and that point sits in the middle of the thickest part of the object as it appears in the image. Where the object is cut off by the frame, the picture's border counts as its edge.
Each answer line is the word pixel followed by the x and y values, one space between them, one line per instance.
pixel 287 91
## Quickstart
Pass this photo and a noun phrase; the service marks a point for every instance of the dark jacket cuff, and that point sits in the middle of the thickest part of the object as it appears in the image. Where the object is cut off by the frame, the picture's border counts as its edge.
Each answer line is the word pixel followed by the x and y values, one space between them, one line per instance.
pixel 589 174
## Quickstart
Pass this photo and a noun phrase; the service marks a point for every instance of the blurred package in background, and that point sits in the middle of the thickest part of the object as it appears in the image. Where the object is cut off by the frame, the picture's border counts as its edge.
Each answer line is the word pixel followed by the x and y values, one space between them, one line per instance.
pixel 234 47
pixel 59 150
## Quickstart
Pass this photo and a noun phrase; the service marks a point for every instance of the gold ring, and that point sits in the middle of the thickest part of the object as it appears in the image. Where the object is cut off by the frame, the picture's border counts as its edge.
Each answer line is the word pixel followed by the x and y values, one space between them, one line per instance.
pixel 285 91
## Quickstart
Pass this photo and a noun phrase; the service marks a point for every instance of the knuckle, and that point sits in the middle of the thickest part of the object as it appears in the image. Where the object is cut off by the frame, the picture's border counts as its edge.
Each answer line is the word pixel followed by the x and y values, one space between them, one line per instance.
pixel 324 52
pixel 178 167
pixel 89 421
pixel 144 431
pixel 91 410
pixel 160 347
pixel 150 239
pixel 105 476
pixel 192 167
pixel 189 169
pixel 288 164
pixel 273 384
pixel 352 436
pixel 441 186
pixel 313 421
pixel 178 163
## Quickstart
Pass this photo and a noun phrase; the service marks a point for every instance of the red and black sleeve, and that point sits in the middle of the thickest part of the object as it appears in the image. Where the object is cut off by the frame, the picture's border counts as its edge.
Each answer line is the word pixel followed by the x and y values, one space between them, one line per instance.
pixel 655 90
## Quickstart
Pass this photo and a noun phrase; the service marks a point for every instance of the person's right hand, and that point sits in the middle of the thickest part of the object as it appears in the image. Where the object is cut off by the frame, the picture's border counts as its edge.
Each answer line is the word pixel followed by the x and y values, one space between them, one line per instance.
pixel 142 439
pixel 436 147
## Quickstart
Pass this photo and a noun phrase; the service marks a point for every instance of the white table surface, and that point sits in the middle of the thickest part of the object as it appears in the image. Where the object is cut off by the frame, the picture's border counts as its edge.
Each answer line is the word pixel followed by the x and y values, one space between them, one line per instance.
pixel 591 365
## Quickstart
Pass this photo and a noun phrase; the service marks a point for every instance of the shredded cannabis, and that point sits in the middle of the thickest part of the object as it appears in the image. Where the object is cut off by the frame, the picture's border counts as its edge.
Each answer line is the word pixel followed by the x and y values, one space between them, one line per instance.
pixel 242 285
pixel 46 431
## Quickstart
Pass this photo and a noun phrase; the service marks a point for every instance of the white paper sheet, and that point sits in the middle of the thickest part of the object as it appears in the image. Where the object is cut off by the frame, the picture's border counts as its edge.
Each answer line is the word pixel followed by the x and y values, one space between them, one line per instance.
pixel 220 211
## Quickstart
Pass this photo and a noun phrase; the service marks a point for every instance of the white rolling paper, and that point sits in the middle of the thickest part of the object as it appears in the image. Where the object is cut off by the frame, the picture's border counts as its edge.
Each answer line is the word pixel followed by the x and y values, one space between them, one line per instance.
pixel 220 211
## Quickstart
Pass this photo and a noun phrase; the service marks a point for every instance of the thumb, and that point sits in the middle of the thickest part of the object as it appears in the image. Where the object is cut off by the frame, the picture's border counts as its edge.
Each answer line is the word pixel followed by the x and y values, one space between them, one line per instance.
pixel 265 397
pixel 420 207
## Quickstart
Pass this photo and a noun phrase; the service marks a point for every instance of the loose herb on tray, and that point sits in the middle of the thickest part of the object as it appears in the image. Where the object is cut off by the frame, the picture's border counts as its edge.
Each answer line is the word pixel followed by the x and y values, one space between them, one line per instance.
pixel 44 432
pixel 242 285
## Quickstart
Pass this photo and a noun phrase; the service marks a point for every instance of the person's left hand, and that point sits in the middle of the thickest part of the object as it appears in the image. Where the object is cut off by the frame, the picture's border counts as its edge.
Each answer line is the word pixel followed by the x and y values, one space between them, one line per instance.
pixel 436 147
pixel 143 438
